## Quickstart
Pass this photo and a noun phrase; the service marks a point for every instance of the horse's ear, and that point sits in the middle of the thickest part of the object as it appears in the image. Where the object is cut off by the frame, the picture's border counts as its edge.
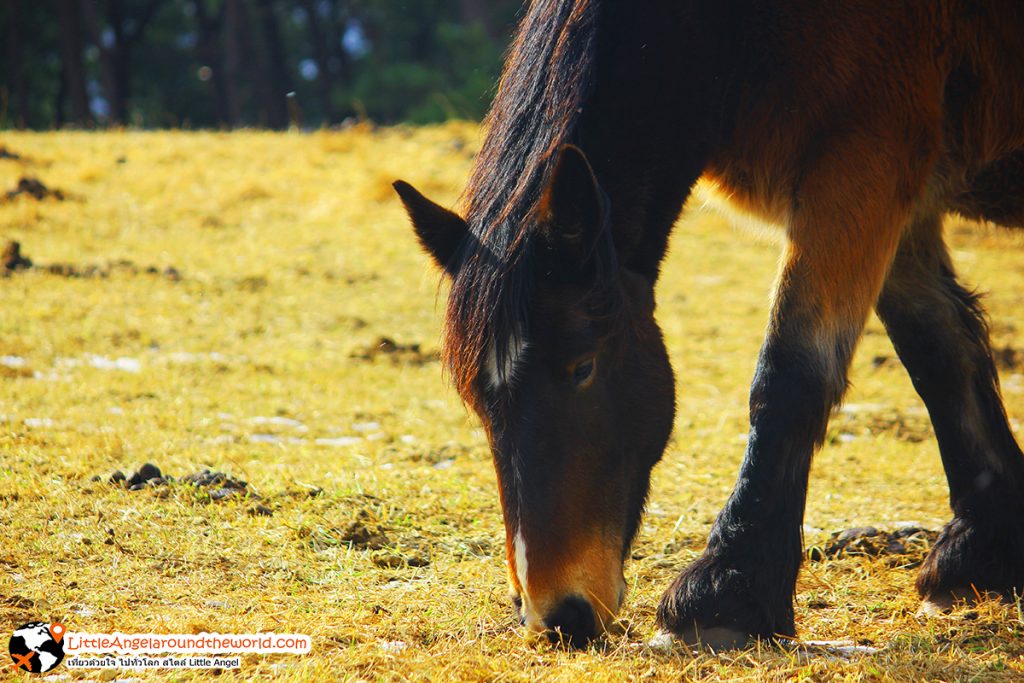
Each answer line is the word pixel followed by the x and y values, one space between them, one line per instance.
pixel 573 207
pixel 439 230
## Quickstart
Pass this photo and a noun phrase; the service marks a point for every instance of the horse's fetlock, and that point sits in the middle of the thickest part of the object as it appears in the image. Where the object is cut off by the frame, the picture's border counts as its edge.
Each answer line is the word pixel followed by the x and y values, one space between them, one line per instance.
pixel 982 552
pixel 717 597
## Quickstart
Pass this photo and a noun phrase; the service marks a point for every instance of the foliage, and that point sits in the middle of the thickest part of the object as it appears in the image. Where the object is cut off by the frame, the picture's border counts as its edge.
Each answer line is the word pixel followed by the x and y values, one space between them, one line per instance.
pixel 228 63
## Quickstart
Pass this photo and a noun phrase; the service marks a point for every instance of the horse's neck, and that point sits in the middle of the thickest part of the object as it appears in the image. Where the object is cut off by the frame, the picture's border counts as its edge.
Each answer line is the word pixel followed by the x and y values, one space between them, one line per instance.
pixel 657 110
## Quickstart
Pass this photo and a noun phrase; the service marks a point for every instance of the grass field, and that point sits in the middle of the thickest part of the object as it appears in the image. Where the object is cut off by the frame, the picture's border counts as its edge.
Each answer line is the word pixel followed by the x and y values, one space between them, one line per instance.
pixel 218 301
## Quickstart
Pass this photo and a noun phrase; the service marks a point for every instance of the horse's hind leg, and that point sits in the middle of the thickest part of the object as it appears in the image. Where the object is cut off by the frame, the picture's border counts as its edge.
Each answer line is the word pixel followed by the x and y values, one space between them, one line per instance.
pixel 940 334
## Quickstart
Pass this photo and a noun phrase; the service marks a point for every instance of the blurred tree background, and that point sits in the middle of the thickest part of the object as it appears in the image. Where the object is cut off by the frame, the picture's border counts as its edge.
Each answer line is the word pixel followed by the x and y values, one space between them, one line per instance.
pixel 231 63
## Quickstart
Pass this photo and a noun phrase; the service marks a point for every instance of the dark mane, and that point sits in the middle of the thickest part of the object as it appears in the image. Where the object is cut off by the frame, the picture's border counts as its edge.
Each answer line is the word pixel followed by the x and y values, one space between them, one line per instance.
pixel 548 76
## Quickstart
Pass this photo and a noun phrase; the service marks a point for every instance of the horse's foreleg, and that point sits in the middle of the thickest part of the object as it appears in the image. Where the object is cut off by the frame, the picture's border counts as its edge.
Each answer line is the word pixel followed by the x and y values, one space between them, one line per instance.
pixel 843 236
pixel 940 333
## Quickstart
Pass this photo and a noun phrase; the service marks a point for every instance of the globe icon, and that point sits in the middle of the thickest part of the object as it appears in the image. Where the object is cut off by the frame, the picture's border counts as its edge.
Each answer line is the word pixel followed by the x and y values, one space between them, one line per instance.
pixel 35 648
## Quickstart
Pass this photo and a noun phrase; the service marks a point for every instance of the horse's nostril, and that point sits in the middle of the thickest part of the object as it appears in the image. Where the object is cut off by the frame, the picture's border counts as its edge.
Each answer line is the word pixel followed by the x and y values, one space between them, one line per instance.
pixel 573 622
pixel 517 608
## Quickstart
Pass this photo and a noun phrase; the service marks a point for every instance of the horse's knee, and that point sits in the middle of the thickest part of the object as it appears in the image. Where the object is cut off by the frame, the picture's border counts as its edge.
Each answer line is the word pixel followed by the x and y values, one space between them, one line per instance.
pixel 796 384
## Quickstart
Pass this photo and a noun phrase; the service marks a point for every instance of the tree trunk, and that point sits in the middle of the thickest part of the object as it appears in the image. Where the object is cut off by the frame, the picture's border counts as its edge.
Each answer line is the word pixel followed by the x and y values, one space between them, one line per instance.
pixel 323 61
pixel 116 57
pixel 277 85
pixel 73 67
pixel 337 27
pixel 19 84
pixel 107 71
pixel 119 65
pixel 59 118
pixel 209 29
pixel 122 58
pixel 233 58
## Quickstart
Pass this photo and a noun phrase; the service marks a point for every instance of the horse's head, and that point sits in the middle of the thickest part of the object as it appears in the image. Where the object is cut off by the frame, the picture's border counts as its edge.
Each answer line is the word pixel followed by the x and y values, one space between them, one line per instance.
pixel 554 345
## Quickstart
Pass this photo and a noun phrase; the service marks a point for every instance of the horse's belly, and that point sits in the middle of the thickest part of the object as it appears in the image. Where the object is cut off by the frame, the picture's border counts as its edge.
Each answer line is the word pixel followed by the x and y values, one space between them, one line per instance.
pixel 996 193
pixel 743 212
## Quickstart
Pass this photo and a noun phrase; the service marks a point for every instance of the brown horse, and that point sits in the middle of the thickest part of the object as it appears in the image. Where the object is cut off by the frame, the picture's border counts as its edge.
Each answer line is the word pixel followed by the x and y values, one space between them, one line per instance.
pixel 856 125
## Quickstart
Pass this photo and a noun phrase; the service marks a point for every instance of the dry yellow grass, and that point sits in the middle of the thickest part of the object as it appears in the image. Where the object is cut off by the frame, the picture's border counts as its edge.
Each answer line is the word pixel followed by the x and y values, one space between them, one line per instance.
pixel 293 258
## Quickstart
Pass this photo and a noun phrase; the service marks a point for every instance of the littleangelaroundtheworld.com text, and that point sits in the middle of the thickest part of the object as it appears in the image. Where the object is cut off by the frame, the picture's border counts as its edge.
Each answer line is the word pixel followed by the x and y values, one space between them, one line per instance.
pixel 206 643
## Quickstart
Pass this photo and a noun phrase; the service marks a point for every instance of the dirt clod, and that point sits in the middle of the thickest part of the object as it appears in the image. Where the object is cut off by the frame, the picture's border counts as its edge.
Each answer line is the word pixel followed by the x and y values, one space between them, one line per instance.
pixel 363 537
pixel 35 188
pixel 105 270
pixel 146 473
pixel 387 559
pixel 479 546
pixel 405 555
pixel 220 486
pixel 884 362
pixel 410 551
pixel 19 602
pixel 217 485
pixel 207 478
pixel 12 259
pixel 1008 358
pixel 868 541
pixel 398 354
pixel 224 493
pixel 307 491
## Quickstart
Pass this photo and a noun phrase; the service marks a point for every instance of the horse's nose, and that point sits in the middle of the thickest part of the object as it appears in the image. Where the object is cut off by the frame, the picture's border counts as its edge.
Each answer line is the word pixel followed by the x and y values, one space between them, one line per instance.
pixel 573 622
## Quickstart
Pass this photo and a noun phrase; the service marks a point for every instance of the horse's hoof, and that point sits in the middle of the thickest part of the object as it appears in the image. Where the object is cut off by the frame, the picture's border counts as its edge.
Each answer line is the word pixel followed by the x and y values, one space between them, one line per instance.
pixel 935 606
pixel 716 639
pixel 663 640
pixel 942 603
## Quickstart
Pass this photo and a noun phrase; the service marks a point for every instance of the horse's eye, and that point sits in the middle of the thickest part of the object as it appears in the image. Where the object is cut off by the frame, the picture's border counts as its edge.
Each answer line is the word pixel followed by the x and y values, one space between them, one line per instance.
pixel 583 372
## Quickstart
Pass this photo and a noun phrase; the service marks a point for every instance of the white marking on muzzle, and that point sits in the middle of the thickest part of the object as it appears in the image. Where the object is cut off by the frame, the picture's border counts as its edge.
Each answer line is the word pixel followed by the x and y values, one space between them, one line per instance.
pixel 519 545
pixel 532 618
pixel 499 376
